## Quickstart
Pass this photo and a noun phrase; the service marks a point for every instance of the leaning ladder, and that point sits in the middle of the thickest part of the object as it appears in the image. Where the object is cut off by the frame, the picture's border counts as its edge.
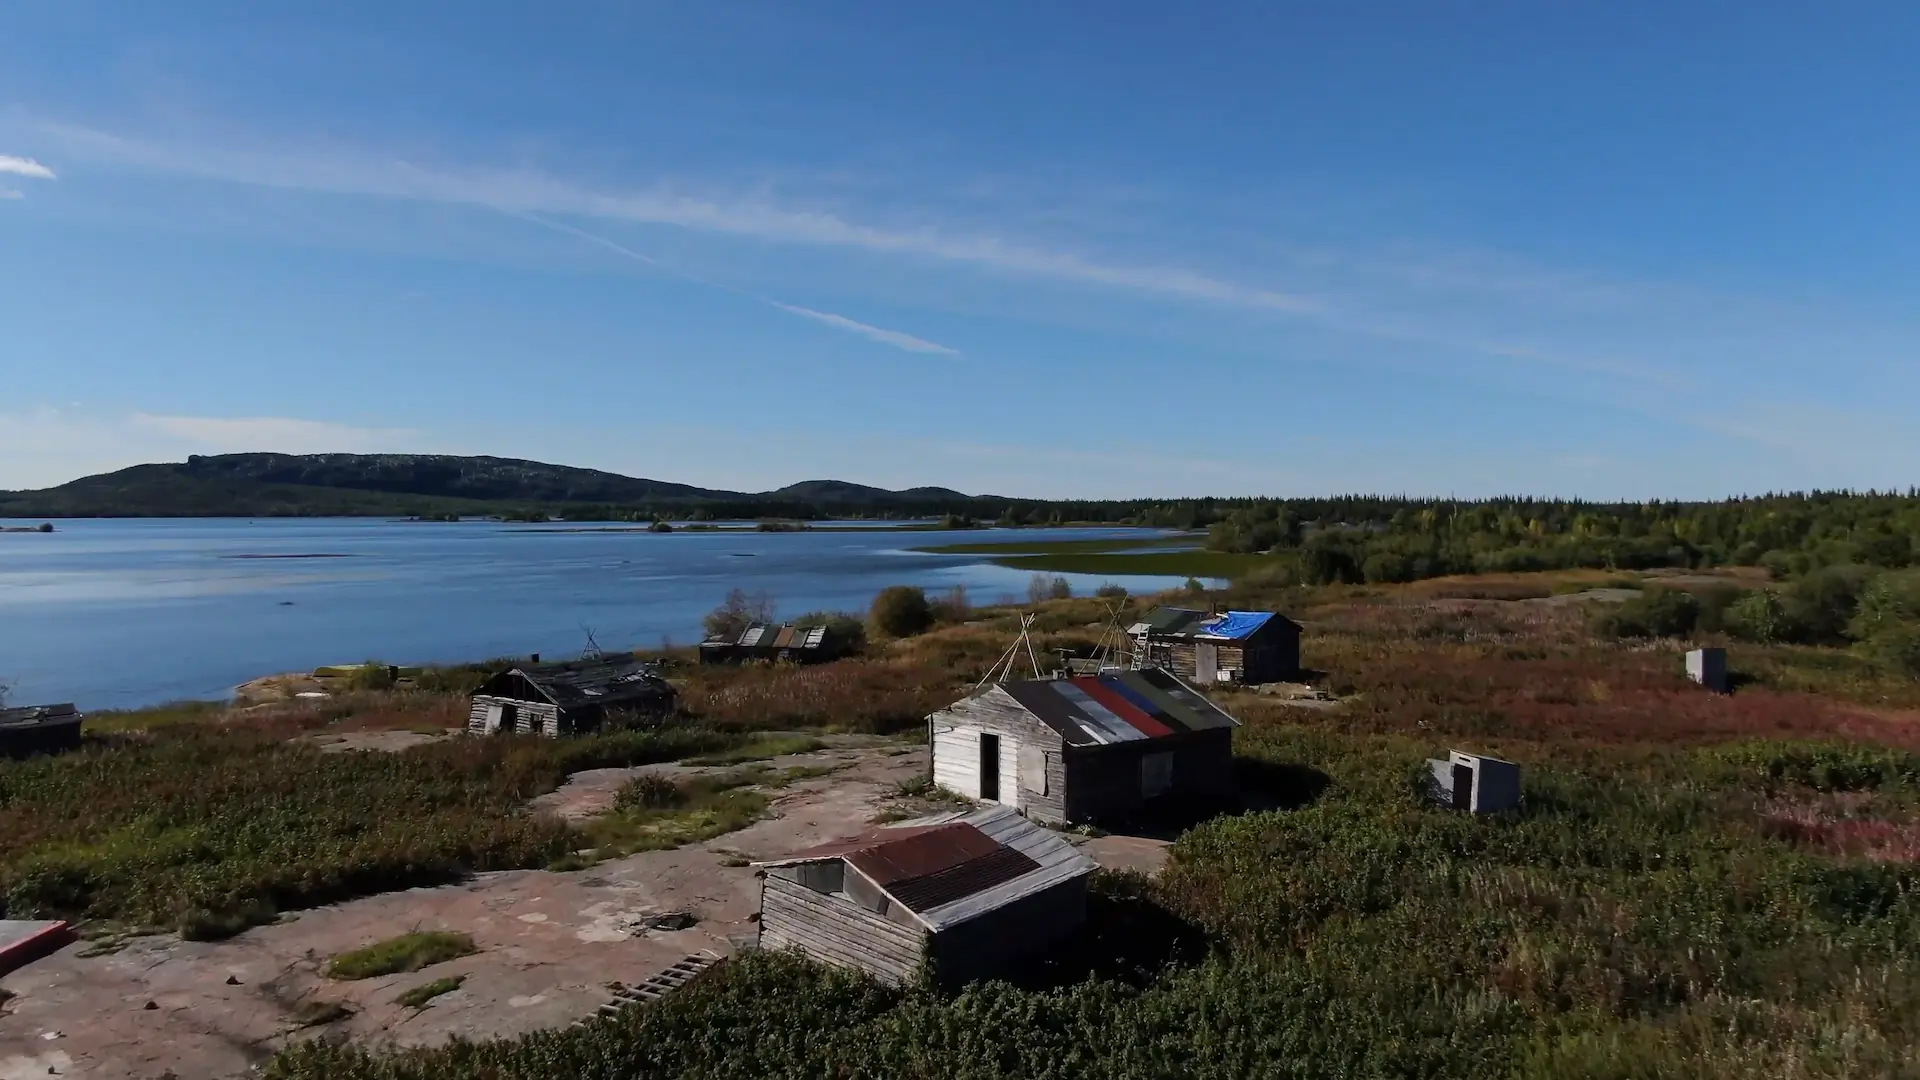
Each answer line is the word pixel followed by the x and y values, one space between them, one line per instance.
pixel 655 986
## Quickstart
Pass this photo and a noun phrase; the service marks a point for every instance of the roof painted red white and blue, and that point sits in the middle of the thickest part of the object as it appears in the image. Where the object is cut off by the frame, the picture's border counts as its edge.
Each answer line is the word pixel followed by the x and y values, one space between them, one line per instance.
pixel 1119 706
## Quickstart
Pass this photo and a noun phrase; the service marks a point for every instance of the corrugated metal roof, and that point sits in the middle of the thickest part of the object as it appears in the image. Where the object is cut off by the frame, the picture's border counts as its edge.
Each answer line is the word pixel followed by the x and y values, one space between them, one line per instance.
pixel 1117 706
pixel 955 883
pixel 951 867
pixel 904 858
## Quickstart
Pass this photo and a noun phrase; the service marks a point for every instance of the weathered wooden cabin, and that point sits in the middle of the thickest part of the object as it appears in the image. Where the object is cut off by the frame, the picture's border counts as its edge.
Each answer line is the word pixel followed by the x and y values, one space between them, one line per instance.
pixel 974 892
pixel 569 698
pixel 39 729
pixel 1084 748
pixel 1210 647
pixel 764 641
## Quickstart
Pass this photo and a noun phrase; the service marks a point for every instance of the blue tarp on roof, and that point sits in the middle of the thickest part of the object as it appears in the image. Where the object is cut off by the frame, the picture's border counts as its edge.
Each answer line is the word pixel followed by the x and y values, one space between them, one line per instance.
pixel 1235 624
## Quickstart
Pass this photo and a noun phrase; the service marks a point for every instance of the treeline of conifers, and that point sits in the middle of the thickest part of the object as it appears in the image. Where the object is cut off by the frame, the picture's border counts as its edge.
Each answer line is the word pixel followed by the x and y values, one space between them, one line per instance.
pixel 1384 540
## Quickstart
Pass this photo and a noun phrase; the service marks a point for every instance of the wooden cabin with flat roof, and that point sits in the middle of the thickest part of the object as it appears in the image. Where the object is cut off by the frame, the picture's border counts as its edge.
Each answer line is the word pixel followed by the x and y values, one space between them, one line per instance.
pixel 1084 748
pixel 766 641
pixel 570 698
pixel 39 729
pixel 974 893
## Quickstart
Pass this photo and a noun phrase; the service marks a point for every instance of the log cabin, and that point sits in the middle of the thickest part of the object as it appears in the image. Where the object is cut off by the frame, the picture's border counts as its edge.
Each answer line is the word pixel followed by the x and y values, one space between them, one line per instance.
pixel 569 698
pixel 1207 647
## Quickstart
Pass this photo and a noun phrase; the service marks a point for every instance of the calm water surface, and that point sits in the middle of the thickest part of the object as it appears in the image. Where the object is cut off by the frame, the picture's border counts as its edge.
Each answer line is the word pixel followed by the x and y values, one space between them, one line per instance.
pixel 117 614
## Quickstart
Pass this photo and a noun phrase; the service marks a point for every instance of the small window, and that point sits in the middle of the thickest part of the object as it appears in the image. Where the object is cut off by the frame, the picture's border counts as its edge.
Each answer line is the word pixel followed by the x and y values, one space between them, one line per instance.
pixel 1156 774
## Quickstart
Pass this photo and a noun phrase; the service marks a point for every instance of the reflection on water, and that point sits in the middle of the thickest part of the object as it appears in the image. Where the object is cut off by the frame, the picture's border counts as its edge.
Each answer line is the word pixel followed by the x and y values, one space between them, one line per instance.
pixel 120 613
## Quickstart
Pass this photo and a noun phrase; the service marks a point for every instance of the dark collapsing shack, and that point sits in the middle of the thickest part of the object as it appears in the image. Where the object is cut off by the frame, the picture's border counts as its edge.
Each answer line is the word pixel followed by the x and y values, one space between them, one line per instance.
pixel 765 641
pixel 1085 748
pixel 974 892
pixel 38 729
pixel 1208 647
pixel 569 698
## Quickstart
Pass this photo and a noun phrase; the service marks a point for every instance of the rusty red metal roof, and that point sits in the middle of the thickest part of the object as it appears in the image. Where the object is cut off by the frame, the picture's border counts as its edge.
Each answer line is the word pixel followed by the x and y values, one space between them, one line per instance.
pixel 961 880
pixel 941 847
pixel 834 849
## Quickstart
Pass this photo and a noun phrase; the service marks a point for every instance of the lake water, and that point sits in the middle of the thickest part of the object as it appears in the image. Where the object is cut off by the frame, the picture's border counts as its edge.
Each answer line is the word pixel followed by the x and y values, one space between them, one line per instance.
pixel 124 613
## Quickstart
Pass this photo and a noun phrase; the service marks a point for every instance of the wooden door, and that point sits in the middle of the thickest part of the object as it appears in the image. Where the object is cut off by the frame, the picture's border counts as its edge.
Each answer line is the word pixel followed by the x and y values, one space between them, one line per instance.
pixel 1206 663
pixel 989 767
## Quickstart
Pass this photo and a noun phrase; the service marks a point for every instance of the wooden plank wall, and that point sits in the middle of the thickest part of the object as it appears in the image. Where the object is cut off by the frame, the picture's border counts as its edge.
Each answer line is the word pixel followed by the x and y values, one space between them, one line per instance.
pixel 995 941
pixel 956 753
pixel 1105 780
pixel 837 931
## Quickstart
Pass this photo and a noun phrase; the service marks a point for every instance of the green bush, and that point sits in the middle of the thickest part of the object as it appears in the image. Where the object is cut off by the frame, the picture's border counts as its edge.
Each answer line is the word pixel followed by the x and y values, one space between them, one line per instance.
pixel 1759 617
pixel 900 611
pixel 1655 613
pixel 649 792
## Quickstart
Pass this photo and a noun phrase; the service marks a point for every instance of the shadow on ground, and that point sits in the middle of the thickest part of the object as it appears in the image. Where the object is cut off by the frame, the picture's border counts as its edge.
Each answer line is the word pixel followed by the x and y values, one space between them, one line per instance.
pixel 1129 938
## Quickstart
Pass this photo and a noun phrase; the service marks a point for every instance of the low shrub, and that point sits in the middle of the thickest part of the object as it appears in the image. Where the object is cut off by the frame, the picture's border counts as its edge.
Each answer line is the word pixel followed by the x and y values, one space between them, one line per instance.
pixel 419 996
pixel 408 952
pixel 900 611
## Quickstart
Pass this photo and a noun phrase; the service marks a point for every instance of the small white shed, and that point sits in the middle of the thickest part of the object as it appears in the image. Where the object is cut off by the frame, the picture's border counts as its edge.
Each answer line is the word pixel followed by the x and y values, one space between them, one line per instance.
pixel 1474 782
pixel 1708 667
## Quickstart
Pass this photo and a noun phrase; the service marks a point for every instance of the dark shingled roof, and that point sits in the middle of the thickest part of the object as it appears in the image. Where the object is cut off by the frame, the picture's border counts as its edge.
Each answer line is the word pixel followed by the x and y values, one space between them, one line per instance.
pixel 31 715
pixel 607 680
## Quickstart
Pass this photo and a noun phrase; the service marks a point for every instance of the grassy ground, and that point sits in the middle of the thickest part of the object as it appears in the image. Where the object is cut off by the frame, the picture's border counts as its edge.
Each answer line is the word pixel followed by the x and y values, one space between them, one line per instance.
pixel 408 952
pixel 1036 546
pixel 1697 885
pixel 655 814
pixel 419 996
pixel 210 827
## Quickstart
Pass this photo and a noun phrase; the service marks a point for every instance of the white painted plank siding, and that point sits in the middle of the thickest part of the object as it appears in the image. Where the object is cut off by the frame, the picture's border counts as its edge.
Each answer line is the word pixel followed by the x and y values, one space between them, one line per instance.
pixel 956 760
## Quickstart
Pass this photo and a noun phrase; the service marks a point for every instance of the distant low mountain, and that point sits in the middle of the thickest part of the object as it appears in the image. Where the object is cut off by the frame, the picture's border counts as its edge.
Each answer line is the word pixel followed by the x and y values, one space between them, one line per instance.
pixel 253 485
pixel 840 491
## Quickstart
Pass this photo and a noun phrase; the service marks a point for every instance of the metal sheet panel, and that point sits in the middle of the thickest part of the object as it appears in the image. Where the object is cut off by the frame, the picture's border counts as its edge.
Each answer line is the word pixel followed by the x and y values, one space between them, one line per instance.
pixel 1143 721
pixel 1038 698
pixel 961 880
pixel 1157 709
pixel 1106 724
pixel 1196 711
pixel 924 853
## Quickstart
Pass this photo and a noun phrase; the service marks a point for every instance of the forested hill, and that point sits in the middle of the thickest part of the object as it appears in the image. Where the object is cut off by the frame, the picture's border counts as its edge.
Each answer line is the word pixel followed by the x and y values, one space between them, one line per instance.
pixel 315 484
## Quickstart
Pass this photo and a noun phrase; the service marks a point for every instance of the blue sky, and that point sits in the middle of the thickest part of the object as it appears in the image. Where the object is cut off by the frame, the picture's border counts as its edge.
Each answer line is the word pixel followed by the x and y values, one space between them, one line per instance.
pixel 1101 249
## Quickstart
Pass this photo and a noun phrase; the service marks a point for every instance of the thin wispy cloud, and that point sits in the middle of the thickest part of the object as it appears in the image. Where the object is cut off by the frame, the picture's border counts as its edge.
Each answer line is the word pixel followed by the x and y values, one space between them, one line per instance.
pixel 898 339
pixel 880 334
pixel 532 192
pixel 9 193
pixel 21 166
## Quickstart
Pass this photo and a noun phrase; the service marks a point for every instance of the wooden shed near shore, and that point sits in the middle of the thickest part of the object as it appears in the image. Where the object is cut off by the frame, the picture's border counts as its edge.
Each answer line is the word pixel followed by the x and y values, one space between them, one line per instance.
pixel 766 641
pixel 1084 748
pixel 1208 647
pixel 39 729
pixel 973 893
pixel 569 698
